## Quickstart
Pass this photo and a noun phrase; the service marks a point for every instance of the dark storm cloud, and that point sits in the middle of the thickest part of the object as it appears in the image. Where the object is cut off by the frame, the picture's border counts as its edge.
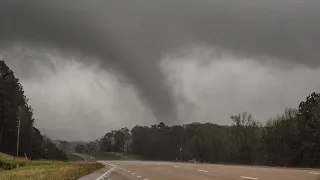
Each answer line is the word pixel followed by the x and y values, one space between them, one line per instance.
pixel 130 36
pixel 60 25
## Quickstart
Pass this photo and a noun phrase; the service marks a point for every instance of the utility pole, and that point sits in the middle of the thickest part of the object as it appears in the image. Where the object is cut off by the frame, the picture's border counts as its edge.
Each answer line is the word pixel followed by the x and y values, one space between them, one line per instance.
pixel 18 138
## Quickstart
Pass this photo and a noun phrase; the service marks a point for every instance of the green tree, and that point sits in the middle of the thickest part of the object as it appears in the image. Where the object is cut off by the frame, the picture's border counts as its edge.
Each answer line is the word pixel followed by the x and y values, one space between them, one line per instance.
pixel 309 127
pixel 26 125
pixel 14 108
pixel 11 99
pixel 36 144
pixel 106 142
pixel 245 134
pixel 92 146
pixel 64 146
pixel 280 139
pixel 80 148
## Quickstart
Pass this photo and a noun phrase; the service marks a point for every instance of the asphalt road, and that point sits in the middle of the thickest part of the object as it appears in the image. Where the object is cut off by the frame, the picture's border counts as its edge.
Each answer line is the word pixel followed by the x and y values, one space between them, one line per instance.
pixel 142 170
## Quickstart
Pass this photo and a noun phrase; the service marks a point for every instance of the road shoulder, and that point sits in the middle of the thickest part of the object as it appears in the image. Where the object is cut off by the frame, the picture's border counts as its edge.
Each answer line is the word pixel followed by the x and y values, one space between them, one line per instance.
pixel 96 174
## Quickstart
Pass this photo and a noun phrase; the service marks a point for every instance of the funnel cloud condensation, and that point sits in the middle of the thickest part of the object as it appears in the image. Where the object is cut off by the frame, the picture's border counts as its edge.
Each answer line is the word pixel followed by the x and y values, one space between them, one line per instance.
pixel 133 39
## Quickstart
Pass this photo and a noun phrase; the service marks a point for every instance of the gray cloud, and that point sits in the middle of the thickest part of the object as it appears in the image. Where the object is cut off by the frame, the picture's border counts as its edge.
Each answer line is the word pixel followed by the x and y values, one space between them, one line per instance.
pixel 76 101
pixel 132 37
pixel 227 84
pixel 59 27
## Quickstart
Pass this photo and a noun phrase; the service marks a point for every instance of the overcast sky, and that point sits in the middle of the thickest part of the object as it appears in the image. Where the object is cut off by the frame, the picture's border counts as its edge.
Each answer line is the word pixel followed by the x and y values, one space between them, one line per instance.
pixel 92 66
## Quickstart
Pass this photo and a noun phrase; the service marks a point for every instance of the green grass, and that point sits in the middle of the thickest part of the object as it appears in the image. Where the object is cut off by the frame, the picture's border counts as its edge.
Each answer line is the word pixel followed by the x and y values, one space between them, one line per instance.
pixel 45 170
pixel 8 162
pixel 72 157
pixel 104 156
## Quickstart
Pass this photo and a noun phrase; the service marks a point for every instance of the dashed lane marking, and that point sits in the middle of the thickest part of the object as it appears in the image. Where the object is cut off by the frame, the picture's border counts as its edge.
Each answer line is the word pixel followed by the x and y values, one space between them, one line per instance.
pixel 139 176
pixel 176 166
pixel 317 173
pixel 202 170
pixel 133 173
pixel 245 177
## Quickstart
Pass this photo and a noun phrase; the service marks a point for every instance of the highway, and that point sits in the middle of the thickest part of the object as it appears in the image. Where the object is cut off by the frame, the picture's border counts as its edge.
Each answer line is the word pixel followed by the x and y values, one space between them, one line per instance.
pixel 144 170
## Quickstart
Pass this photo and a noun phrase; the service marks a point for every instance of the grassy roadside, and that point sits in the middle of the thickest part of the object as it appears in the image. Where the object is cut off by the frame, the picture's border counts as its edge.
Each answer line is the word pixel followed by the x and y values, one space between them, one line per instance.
pixel 45 170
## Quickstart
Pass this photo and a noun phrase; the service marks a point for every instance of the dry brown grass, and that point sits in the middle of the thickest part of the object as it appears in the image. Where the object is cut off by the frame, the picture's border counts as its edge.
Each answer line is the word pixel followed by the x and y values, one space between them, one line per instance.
pixel 54 171
pixel 46 170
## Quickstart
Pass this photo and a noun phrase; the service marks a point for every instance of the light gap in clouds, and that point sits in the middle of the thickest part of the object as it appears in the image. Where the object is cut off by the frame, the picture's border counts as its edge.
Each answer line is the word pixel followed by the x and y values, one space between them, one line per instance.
pixel 216 84
pixel 76 101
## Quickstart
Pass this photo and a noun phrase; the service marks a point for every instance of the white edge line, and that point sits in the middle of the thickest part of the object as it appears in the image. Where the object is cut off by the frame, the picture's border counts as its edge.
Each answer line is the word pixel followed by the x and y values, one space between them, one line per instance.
pixel 102 176
pixel 314 173
pixel 245 177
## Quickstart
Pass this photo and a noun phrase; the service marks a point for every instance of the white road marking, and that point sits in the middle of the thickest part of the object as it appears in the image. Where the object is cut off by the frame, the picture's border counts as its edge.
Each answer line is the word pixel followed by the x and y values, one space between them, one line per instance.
pixel 315 173
pixel 245 177
pixel 133 173
pixel 139 176
pixel 202 170
pixel 145 179
pixel 176 166
pixel 104 174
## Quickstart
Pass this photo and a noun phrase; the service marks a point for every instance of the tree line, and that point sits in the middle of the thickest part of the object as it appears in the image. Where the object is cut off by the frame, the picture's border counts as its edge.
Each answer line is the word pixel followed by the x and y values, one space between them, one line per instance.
pixel 289 139
pixel 14 108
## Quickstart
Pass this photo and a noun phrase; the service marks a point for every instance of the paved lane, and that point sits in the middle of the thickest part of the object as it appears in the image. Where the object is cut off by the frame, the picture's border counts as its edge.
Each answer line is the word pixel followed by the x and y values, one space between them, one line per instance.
pixel 141 170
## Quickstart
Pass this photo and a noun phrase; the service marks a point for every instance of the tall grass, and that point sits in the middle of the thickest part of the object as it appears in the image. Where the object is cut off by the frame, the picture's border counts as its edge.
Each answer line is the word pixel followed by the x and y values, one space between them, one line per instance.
pixel 45 170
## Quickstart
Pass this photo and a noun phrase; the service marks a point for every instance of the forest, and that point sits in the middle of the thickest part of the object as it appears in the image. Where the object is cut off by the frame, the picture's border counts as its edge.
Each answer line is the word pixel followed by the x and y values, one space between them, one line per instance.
pixel 14 113
pixel 289 139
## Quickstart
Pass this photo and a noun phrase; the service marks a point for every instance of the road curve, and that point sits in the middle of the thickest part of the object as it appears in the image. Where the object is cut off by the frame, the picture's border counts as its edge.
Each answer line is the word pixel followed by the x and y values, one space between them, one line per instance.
pixel 144 170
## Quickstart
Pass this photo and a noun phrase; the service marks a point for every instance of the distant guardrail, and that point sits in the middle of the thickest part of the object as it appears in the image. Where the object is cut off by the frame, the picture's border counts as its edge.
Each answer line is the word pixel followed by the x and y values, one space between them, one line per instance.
pixel 80 155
